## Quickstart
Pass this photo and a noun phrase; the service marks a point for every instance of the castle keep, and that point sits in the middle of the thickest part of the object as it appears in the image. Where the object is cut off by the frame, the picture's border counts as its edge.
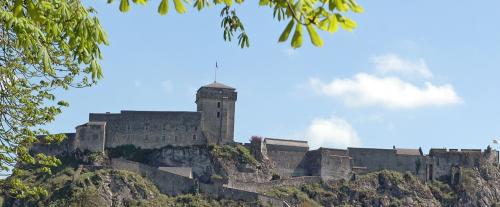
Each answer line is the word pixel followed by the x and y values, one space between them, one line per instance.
pixel 212 123
pixel 181 158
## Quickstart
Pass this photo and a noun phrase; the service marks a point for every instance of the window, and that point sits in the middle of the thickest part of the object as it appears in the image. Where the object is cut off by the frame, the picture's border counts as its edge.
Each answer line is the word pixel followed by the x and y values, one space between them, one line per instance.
pixel 195 128
pixel 164 138
pixel 175 138
pixel 218 104
pixel 218 114
pixel 194 136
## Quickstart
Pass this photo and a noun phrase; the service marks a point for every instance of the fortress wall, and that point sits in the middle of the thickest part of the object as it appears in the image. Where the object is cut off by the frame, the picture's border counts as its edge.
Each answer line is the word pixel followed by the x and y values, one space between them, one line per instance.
pixel 91 136
pixel 379 159
pixel 221 192
pixel 182 171
pixel 261 187
pixel 335 167
pixel 167 183
pixel 54 149
pixel 149 130
pixel 443 161
pixel 289 160
pixel 313 160
pixel 373 159
pixel 196 157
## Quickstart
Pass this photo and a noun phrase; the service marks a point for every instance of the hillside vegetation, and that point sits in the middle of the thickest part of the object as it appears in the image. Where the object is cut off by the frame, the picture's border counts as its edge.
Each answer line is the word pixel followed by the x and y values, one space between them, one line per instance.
pixel 71 184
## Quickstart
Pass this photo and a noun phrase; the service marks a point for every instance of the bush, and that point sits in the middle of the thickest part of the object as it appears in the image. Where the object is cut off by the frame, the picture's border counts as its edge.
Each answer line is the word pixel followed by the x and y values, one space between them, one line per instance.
pixel 255 139
pixel 238 153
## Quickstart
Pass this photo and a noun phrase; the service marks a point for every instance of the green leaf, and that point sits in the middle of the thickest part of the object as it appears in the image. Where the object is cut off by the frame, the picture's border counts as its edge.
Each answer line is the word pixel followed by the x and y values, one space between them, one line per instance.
pixel 297 37
pixel 141 2
pixel 286 32
pixel 124 6
pixel 179 6
pixel 315 39
pixel 163 8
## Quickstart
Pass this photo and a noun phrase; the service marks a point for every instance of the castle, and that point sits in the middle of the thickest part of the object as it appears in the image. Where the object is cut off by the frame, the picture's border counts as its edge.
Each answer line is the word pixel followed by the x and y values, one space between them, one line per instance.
pixel 213 124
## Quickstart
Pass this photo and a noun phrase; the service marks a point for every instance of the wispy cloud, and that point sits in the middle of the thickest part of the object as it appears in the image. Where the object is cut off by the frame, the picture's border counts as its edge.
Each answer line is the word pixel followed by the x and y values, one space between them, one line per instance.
pixel 332 132
pixel 394 64
pixel 391 92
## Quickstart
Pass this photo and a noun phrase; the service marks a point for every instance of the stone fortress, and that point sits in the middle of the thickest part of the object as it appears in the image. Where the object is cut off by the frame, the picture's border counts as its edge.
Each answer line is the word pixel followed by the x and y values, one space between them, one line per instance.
pixel 177 169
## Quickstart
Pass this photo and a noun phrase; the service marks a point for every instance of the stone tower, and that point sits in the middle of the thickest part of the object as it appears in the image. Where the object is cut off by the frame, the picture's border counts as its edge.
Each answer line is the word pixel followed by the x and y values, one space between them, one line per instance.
pixel 216 102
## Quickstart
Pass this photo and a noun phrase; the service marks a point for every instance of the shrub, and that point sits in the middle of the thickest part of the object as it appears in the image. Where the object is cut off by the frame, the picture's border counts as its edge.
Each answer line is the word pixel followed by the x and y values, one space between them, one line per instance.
pixel 255 139
pixel 238 153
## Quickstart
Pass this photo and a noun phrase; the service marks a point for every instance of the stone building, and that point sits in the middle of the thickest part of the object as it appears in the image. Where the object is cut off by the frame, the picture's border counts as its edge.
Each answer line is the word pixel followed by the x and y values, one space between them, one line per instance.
pixel 213 123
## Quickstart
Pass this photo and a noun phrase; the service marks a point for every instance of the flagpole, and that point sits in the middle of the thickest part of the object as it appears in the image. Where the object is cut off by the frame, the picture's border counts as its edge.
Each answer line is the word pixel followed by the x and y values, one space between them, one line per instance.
pixel 216 67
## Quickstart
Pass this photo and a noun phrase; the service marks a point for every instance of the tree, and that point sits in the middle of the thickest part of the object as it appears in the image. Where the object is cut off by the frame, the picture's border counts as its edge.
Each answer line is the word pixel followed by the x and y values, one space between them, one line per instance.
pixel 45 45
pixel 54 44
pixel 324 15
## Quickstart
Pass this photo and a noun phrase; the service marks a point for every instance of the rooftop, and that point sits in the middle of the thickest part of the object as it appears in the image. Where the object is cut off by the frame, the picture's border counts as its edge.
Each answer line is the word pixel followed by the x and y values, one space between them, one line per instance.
pixel 286 142
pixel 217 85
pixel 403 151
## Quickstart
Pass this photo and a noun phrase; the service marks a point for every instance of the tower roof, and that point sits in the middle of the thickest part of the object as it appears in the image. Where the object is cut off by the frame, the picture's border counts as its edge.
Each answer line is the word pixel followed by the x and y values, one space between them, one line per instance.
pixel 217 85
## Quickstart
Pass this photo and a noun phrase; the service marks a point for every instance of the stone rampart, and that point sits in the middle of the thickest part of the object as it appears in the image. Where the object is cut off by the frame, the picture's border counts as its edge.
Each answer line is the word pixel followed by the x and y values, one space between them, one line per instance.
pixel 442 161
pixel 265 186
pixel 380 159
pixel 288 156
pixel 67 145
pixel 167 183
pixel 152 129
pixel 91 136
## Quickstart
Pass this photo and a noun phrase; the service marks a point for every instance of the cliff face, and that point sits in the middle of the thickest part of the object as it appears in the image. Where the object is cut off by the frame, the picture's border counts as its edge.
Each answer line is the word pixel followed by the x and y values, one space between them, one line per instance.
pixel 475 187
pixel 107 188
pixel 479 186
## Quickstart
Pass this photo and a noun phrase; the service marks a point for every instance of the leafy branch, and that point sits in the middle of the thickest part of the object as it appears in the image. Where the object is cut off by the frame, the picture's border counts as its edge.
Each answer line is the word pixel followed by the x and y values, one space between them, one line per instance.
pixel 324 15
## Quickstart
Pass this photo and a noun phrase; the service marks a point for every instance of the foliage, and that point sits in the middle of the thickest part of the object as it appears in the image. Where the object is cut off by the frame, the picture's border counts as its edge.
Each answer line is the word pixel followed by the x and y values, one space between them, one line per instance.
pixel 257 139
pixel 443 192
pixel 45 45
pixel 69 187
pixel 237 152
pixel 325 15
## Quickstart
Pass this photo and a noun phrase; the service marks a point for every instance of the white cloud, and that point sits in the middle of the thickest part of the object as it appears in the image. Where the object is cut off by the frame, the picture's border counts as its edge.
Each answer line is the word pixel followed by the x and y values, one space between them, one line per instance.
pixel 391 92
pixel 167 86
pixel 332 132
pixel 393 63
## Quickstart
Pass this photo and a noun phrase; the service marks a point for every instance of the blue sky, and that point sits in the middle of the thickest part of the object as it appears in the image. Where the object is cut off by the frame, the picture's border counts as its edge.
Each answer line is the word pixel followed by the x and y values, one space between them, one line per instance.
pixel 413 74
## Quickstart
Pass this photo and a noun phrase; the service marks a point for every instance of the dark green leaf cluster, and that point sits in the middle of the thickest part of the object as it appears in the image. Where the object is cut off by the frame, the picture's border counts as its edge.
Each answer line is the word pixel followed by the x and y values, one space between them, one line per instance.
pixel 45 45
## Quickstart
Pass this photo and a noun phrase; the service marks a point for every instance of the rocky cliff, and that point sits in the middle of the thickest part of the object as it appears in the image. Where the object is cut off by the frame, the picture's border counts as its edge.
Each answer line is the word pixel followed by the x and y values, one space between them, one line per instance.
pixel 86 181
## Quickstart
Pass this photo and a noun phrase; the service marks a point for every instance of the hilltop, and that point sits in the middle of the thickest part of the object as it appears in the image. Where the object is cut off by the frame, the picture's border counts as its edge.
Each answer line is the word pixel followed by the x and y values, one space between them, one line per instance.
pixel 87 180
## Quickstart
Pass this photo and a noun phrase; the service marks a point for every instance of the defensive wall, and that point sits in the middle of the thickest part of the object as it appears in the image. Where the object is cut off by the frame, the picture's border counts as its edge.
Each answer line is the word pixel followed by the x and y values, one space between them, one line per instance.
pixel 288 156
pixel 264 186
pixel 67 145
pixel 173 184
pixel 167 183
pixel 404 160
pixel 151 129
